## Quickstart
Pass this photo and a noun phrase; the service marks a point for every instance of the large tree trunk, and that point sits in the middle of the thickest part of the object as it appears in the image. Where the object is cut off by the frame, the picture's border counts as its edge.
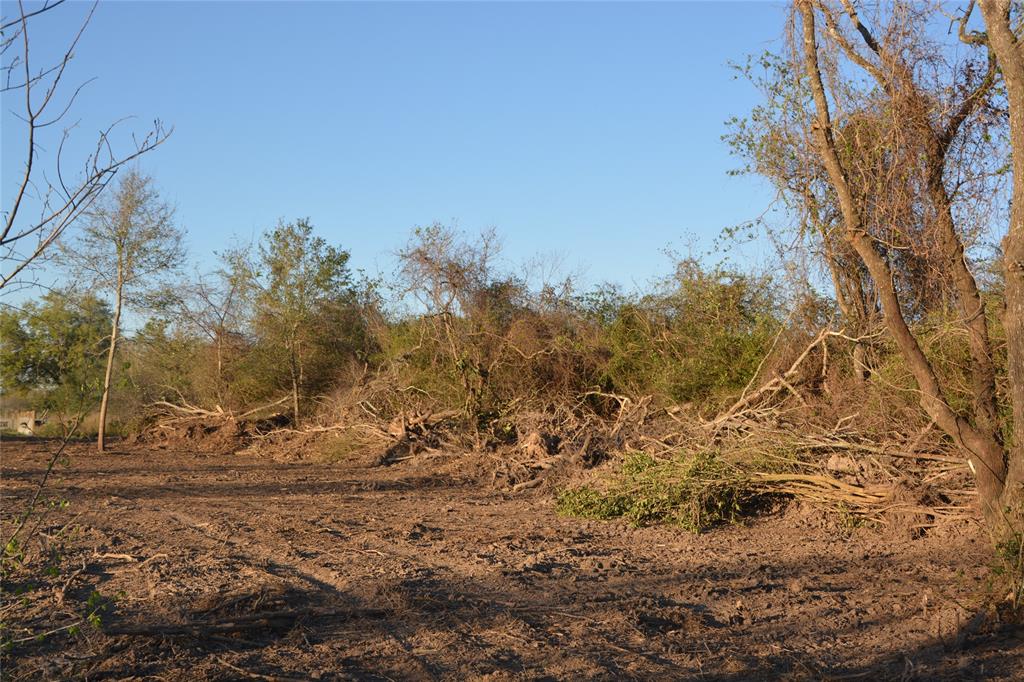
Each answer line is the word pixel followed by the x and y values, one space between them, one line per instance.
pixel 114 332
pixel 1008 51
pixel 985 456
pixel 970 307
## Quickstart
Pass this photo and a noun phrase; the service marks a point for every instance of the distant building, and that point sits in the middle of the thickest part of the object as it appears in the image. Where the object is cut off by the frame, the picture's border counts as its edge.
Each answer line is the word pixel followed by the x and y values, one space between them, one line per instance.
pixel 22 421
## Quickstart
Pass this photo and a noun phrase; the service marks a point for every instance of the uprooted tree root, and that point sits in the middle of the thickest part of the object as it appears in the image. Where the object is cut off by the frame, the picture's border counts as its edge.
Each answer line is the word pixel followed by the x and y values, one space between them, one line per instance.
pixel 734 474
pixel 171 425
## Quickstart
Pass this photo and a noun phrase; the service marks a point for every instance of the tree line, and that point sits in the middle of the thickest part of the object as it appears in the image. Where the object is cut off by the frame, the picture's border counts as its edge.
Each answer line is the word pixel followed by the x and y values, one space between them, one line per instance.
pixel 286 319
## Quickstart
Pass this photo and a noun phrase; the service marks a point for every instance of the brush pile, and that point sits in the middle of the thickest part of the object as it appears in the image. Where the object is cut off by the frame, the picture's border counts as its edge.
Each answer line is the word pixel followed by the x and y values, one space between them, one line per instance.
pixel 790 434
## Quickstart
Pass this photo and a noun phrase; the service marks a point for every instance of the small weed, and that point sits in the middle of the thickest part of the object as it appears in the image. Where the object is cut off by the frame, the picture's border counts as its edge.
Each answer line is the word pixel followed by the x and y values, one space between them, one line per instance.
pixel 587 503
pixel 848 520
pixel 13 557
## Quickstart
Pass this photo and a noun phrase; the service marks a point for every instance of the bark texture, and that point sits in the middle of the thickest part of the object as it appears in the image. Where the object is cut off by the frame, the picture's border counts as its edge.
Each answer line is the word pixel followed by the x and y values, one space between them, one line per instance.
pixel 115 330
pixel 1010 55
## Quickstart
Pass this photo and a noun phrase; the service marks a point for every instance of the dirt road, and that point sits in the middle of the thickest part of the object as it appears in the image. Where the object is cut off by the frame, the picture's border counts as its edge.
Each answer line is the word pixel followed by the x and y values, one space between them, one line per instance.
pixel 232 567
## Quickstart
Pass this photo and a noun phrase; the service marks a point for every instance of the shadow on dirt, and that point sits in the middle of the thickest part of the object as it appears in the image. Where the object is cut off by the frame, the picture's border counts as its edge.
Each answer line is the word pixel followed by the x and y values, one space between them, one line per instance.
pixel 177 486
pixel 429 626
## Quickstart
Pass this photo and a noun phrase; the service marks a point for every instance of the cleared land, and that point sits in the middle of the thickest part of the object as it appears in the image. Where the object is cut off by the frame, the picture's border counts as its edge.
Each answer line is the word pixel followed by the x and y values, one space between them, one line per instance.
pixel 236 567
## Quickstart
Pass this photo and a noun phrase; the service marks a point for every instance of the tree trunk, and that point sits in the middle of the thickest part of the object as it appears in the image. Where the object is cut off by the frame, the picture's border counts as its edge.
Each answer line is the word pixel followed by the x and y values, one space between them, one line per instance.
pixel 295 400
pixel 1013 320
pixel 1007 48
pixel 293 362
pixel 969 306
pixel 897 79
pixel 115 329
pixel 853 308
pixel 985 456
pixel 220 367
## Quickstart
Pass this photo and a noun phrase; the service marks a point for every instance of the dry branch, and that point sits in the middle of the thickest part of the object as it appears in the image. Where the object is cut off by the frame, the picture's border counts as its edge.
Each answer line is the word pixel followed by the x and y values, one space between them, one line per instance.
pixel 771 387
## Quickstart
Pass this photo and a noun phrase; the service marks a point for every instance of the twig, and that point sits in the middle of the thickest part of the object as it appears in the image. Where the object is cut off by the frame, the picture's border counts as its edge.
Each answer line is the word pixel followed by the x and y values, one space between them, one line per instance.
pixel 125 557
pixel 255 676
pixel 67 583
pixel 160 555
pixel 44 635
pixel 772 386
pixel 532 483
pixel 264 407
pixel 42 484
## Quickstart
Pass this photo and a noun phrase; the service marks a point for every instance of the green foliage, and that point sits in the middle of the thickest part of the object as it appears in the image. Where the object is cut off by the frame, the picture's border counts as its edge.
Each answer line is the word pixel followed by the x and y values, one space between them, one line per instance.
pixel 305 314
pixel 12 558
pixel 602 305
pixel 165 363
pixel 695 492
pixel 53 350
pixel 702 337
pixel 288 316
pixel 300 272
pixel 487 342
pixel 95 606
pixel 129 246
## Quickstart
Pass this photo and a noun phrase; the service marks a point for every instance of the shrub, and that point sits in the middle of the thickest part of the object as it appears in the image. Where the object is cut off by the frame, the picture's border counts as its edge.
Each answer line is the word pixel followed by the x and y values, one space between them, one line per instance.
pixel 701 336
pixel 694 492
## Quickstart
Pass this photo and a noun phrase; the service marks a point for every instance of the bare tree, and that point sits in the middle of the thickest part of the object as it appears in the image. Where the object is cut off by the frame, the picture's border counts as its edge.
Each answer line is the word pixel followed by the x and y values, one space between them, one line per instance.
pixel 929 131
pixel 214 306
pixel 921 138
pixel 455 279
pixel 774 142
pixel 51 194
pixel 128 245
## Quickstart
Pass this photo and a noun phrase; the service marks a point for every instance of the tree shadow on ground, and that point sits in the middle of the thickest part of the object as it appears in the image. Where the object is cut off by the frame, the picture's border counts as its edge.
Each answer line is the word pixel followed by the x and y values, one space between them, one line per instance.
pixel 433 625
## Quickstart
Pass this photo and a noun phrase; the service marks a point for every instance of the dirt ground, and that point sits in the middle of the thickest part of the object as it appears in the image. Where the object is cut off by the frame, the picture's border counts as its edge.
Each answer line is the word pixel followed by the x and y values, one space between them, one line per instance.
pixel 214 567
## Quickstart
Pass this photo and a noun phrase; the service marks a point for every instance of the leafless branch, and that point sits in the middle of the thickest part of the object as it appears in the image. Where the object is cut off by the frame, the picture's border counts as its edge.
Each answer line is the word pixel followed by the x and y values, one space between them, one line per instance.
pixel 24 242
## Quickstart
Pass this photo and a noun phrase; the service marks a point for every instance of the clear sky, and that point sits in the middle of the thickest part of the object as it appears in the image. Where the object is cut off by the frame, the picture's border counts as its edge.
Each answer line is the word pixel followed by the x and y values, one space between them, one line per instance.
pixel 591 130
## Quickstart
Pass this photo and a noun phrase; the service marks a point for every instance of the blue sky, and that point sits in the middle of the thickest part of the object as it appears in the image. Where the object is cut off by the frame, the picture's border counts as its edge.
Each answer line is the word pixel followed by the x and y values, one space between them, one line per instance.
pixel 591 130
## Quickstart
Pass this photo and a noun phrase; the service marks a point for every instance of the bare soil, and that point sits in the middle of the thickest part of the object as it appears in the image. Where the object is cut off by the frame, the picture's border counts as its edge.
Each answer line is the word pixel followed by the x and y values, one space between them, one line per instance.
pixel 216 567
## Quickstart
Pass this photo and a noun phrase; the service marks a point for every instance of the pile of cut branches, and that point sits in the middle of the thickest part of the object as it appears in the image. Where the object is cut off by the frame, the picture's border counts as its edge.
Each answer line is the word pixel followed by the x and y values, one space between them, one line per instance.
pixel 170 425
